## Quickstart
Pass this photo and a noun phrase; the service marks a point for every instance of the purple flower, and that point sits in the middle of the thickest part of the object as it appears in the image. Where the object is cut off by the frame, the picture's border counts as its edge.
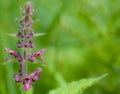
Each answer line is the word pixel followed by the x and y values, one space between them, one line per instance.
pixel 19 44
pixel 15 54
pixel 31 57
pixel 26 83
pixel 28 80
pixel 11 52
pixel 20 34
pixel 31 44
pixel 26 86
pixel 17 78
pixel 20 58
pixel 25 35
pixel 26 44
pixel 35 75
pixel 30 33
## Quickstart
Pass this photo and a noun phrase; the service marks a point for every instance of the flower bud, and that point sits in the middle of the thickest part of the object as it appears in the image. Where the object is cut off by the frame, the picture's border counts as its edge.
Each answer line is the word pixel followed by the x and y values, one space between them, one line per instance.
pixel 17 78
pixel 31 44
pixel 26 44
pixel 19 44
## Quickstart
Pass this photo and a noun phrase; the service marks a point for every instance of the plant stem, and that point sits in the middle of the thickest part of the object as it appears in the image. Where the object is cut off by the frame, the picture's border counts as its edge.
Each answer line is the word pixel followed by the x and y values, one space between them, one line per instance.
pixel 25 63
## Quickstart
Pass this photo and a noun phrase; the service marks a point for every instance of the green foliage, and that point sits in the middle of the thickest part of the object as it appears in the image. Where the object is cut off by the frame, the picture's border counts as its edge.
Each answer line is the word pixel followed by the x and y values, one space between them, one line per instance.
pixel 76 87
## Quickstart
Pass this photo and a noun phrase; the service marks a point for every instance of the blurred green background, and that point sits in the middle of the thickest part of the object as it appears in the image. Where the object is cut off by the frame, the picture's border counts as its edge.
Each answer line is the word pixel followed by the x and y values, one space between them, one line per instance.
pixel 82 40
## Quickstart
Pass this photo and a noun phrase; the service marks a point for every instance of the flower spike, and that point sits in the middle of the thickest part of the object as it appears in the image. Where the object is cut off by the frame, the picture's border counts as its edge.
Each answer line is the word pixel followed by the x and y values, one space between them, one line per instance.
pixel 25 34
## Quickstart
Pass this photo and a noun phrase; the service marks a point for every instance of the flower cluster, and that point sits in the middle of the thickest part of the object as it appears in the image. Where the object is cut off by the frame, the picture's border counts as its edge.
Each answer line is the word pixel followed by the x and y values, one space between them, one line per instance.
pixel 29 79
pixel 25 35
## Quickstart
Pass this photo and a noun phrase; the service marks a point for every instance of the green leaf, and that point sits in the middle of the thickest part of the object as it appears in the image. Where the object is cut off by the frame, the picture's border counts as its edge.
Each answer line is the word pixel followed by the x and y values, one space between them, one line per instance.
pixel 77 87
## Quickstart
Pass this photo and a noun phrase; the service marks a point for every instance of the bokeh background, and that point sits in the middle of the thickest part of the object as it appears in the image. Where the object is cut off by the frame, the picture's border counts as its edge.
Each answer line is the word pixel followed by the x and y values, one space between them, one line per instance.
pixel 82 40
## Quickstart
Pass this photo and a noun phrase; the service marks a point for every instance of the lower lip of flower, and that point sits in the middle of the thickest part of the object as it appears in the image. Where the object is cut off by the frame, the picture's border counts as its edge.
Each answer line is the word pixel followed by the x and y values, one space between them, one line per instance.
pixel 26 87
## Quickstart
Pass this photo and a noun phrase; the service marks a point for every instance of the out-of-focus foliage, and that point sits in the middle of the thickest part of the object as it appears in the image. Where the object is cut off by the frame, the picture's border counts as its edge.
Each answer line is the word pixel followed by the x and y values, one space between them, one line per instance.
pixel 82 40
pixel 76 87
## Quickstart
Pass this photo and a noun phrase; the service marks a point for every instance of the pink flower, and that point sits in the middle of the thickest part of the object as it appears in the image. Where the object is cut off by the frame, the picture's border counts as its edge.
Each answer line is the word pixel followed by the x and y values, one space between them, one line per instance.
pixel 17 78
pixel 26 87
pixel 11 52
pixel 35 75
pixel 15 54
pixel 28 80
pixel 31 57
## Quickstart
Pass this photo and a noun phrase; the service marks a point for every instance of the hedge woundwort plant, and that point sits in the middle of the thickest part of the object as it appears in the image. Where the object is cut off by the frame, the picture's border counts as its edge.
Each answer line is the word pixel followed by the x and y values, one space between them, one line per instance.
pixel 25 35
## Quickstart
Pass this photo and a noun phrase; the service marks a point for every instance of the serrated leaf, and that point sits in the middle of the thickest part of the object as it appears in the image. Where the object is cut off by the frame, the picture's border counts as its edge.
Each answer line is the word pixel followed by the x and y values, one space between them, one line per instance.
pixel 77 87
